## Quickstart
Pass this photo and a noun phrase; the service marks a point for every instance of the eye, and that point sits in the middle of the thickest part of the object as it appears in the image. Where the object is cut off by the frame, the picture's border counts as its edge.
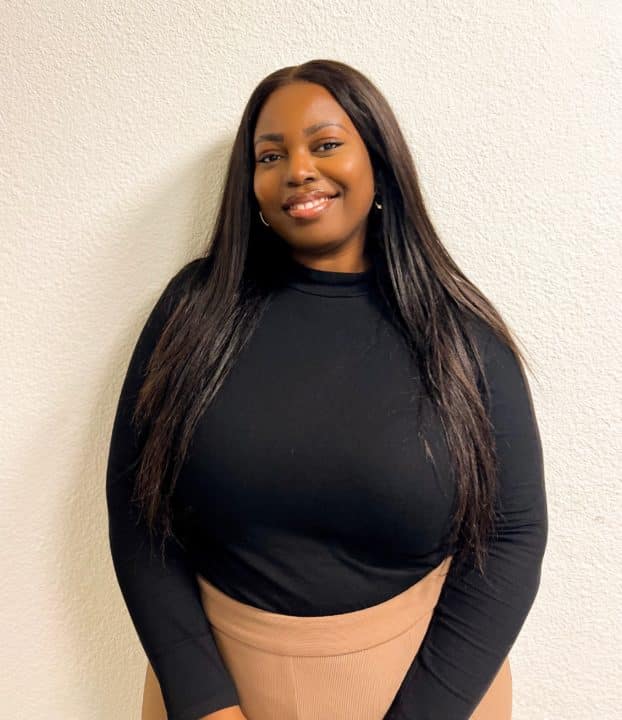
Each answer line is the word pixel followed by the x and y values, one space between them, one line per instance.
pixel 262 159
pixel 331 142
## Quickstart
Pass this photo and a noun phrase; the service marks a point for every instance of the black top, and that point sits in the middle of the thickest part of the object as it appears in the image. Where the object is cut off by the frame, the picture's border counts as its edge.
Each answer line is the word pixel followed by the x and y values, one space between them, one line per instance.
pixel 307 491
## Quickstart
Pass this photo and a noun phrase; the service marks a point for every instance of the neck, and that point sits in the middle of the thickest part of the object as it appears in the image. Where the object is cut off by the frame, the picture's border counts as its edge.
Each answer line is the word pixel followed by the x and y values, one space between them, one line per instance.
pixel 320 281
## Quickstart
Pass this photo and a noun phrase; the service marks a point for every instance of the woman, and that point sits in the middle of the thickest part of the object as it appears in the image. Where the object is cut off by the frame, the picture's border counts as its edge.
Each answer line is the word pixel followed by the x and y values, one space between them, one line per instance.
pixel 328 429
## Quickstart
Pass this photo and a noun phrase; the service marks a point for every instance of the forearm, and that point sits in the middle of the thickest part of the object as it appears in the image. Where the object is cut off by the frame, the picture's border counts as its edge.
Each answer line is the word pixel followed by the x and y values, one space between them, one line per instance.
pixel 231 713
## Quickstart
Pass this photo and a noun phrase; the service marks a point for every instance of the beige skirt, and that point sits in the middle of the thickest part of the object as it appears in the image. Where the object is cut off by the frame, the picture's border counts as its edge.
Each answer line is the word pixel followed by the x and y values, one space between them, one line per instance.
pixel 350 665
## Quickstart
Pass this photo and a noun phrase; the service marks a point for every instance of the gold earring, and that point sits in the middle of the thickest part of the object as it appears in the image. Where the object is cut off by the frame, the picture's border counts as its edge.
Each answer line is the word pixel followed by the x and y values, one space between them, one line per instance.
pixel 262 220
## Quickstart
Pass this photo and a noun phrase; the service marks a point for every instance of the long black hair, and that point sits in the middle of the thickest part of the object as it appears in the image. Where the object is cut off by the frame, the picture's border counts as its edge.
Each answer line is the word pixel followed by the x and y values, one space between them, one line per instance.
pixel 226 290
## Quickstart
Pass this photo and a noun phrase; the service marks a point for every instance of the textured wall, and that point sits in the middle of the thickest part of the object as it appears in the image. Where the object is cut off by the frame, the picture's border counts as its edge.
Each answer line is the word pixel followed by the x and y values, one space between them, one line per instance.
pixel 116 121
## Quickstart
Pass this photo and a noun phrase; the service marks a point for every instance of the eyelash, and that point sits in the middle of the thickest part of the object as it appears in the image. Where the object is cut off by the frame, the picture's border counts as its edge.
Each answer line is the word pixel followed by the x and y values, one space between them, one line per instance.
pixel 260 161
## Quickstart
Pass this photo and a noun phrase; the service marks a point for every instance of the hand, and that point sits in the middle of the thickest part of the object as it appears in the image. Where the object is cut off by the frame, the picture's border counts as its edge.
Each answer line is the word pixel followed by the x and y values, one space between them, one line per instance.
pixel 231 713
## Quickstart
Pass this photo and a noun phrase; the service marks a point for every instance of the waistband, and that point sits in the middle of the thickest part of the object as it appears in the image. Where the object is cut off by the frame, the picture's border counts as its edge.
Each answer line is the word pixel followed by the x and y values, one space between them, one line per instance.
pixel 318 635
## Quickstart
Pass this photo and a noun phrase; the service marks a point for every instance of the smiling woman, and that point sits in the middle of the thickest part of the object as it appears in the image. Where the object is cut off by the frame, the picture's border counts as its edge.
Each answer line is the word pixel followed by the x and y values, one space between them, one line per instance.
pixel 335 186
pixel 328 429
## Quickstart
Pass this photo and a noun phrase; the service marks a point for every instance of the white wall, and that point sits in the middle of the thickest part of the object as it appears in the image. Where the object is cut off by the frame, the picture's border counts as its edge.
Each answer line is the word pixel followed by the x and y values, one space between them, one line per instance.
pixel 116 123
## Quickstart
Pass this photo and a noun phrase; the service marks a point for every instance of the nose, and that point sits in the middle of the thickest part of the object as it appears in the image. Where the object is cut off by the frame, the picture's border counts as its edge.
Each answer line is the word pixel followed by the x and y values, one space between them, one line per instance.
pixel 300 167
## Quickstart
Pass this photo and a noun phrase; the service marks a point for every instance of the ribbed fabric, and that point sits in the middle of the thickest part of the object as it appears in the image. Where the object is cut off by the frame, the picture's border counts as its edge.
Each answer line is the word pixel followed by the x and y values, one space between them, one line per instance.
pixel 337 667
pixel 318 482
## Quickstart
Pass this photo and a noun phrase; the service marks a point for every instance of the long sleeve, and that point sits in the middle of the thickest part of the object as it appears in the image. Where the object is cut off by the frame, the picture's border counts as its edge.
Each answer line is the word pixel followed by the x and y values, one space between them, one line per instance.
pixel 477 620
pixel 163 602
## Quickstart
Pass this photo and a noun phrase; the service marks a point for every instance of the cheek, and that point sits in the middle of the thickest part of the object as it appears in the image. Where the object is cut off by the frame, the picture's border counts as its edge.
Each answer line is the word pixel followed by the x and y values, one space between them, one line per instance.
pixel 346 171
pixel 265 186
pixel 355 174
pixel 258 188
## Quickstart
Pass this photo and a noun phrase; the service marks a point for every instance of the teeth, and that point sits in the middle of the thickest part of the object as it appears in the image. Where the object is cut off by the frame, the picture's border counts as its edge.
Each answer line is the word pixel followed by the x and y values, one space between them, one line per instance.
pixel 311 204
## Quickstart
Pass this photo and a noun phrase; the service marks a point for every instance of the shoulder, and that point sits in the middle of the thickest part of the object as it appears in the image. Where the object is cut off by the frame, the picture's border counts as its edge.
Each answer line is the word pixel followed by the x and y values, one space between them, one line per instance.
pixel 175 288
pixel 480 333
pixel 501 365
pixel 183 279
pixel 180 284
pixel 487 341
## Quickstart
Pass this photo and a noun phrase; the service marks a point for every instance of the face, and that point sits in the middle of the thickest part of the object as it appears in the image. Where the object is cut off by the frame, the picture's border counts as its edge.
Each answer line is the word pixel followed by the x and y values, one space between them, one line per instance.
pixel 305 143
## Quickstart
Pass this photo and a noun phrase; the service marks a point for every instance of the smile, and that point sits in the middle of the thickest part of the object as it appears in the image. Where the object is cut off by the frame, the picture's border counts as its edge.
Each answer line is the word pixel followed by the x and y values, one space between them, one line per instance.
pixel 310 209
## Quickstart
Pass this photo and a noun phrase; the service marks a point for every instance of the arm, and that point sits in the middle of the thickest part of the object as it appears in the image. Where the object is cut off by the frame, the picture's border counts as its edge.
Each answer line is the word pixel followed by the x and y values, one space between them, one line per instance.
pixel 163 602
pixel 232 713
pixel 477 620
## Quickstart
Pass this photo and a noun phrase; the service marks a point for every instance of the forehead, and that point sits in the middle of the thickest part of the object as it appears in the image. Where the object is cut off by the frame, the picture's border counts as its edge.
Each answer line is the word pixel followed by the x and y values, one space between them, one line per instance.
pixel 293 107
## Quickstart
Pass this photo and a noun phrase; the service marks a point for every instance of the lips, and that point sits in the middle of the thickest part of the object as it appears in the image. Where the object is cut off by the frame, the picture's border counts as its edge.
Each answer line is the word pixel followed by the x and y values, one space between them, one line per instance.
pixel 302 198
pixel 311 210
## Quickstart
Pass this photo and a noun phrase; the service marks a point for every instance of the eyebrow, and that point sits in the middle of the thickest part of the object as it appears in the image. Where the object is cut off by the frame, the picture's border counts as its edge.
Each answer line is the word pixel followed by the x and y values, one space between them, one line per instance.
pixel 278 137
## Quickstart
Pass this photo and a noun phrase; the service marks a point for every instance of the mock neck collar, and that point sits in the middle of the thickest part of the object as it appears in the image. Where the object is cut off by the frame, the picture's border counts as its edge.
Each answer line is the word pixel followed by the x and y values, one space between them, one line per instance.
pixel 327 282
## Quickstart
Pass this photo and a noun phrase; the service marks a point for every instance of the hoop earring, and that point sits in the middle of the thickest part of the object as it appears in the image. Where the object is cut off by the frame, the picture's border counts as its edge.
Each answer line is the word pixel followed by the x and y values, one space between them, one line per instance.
pixel 377 204
pixel 262 220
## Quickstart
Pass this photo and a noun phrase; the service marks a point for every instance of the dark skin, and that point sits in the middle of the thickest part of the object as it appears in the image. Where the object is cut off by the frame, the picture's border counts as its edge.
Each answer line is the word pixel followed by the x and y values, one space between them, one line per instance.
pixel 230 713
pixel 333 159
